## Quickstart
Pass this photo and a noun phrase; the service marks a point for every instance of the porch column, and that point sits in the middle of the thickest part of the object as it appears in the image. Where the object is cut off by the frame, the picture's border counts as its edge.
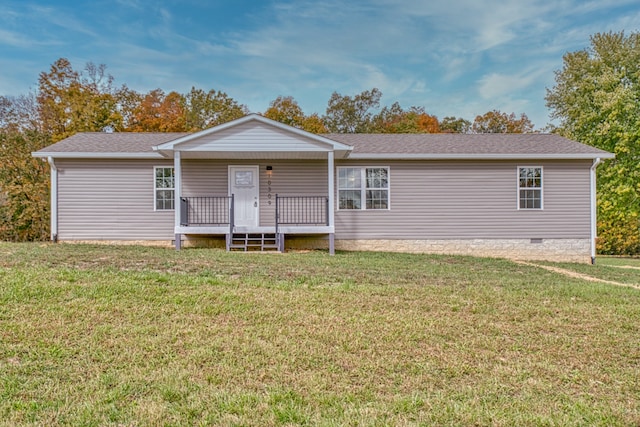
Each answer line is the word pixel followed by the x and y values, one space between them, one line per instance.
pixel 331 201
pixel 177 192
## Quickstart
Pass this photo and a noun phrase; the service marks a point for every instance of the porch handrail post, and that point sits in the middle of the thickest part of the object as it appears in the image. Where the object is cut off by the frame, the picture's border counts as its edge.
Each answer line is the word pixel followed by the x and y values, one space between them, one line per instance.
pixel 326 209
pixel 184 211
pixel 231 214
pixel 277 215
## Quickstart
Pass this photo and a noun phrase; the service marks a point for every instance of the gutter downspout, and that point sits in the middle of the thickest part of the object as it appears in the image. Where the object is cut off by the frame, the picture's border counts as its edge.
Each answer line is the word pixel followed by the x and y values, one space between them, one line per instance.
pixel 594 230
pixel 54 199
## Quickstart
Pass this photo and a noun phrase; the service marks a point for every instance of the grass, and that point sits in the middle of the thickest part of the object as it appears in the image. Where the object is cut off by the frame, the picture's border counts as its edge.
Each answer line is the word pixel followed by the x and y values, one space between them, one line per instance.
pixel 619 261
pixel 136 336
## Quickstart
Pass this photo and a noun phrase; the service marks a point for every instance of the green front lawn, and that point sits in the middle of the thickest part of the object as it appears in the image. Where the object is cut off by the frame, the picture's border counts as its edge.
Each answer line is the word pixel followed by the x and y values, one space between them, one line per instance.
pixel 135 336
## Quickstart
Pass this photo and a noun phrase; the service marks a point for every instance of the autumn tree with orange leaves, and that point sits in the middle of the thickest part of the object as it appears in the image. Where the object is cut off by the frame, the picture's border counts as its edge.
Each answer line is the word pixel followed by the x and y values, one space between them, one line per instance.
pixel 158 112
pixel 395 119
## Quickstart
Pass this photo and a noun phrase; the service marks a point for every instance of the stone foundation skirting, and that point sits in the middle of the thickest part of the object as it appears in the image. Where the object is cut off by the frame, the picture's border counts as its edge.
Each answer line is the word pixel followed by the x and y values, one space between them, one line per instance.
pixel 559 250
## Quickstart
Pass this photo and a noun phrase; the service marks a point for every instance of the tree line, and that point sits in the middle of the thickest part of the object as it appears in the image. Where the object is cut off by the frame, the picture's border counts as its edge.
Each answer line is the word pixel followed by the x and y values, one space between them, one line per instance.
pixel 596 100
pixel 69 101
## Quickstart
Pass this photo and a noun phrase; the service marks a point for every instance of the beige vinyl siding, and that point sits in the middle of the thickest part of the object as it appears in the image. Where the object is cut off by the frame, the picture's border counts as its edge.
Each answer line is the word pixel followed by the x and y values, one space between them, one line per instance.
pixel 288 178
pixel 113 199
pixel 467 200
pixel 110 200
pixel 204 178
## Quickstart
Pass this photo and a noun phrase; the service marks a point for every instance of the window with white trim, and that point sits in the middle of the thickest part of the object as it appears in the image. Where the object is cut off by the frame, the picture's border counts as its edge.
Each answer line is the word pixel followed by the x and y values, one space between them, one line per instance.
pixel 530 187
pixel 363 188
pixel 164 188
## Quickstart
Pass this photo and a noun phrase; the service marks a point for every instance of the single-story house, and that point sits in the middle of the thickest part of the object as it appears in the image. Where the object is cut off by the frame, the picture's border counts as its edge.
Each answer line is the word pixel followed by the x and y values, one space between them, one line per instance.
pixel 254 183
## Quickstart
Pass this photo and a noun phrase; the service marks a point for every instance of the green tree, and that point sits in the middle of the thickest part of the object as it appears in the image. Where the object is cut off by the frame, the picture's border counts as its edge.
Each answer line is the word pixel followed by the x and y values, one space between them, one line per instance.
pixel 285 109
pixel 24 187
pixel 314 124
pixel 126 102
pixel 596 99
pixel 498 122
pixel 70 102
pixel 207 109
pixel 452 124
pixel 351 115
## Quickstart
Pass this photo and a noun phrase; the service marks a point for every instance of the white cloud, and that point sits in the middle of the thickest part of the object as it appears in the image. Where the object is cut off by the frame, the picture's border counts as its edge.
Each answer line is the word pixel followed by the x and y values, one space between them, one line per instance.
pixel 496 85
pixel 62 20
pixel 11 38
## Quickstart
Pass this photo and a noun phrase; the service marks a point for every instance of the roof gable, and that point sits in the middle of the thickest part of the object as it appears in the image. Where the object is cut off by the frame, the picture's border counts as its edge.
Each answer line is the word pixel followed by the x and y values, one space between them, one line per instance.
pixel 253 133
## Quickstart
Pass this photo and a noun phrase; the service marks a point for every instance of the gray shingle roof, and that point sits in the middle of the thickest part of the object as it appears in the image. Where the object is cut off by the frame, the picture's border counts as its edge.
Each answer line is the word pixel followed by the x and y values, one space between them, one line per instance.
pixel 117 142
pixel 470 144
pixel 372 145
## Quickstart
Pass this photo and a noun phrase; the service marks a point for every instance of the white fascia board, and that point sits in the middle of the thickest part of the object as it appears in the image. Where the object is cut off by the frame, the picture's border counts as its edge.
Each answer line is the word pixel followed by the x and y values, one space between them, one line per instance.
pixel 78 155
pixel 532 156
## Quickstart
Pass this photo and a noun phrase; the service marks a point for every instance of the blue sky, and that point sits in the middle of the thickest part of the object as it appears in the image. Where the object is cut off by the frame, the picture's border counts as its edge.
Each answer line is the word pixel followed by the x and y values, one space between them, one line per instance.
pixel 455 58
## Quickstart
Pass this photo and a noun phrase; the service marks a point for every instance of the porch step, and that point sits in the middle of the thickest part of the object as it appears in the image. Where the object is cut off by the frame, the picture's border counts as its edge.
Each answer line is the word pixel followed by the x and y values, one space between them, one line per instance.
pixel 253 242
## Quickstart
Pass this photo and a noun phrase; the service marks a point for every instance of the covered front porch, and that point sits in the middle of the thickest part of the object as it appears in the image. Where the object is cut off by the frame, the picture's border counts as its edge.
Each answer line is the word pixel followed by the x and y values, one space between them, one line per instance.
pixel 294 215
pixel 254 179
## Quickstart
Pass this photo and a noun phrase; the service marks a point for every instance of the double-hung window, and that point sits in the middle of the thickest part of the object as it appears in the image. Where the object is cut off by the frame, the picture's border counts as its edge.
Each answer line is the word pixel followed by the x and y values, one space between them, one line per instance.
pixel 363 188
pixel 164 188
pixel 530 187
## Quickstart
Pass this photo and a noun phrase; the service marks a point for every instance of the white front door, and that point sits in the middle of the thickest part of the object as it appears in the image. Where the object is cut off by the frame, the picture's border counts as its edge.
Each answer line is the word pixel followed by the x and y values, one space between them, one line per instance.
pixel 243 184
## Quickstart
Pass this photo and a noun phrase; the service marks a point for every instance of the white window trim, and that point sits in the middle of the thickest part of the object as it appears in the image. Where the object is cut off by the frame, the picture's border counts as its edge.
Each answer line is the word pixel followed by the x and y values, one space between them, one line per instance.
pixel 518 187
pixel 363 189
pixel 155 189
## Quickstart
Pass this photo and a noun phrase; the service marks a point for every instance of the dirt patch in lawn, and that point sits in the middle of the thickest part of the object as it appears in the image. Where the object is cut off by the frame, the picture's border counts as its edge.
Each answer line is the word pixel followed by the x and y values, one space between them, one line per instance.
pixel 577 275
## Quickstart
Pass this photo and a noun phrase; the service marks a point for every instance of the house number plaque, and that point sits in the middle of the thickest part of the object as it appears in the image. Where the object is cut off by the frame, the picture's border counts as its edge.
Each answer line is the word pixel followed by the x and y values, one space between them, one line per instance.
pixel 269 192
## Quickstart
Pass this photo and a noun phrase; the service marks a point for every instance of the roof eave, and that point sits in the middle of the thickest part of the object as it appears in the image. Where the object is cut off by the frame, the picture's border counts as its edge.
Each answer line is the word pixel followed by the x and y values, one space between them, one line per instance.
pixel 344 154
pixel 92 155
pixel 491 156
